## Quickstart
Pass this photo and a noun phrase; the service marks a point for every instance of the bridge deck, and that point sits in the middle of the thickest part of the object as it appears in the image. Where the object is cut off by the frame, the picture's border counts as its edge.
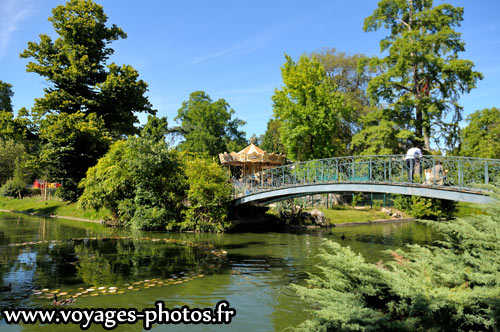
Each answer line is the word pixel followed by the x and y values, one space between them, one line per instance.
pixel 464 179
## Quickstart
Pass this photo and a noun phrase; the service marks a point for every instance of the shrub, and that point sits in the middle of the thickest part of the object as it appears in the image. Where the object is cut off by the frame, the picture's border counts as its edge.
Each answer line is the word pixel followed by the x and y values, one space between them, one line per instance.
pixel 11 189
pixel 425 208
pixel 207 197
pixel 140 181
pixel 450 287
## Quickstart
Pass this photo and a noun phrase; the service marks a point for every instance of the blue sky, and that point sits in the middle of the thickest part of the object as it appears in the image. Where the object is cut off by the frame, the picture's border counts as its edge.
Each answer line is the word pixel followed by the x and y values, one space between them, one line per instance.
pixel 234 49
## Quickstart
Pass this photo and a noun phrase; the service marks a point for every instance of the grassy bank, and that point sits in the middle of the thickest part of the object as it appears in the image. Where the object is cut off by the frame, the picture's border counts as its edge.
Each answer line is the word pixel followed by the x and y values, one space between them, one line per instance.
pixel 352 215
pixel 52 206
pixel 467 209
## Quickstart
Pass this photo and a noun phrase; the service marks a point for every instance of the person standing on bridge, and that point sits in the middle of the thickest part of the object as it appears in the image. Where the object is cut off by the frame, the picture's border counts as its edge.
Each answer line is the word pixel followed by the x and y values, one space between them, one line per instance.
pixel 412 159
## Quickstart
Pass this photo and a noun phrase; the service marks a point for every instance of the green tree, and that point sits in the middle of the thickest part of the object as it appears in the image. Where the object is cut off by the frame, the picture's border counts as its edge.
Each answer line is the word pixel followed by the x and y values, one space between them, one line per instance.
pixel 16 186
pixel 453 286
pixel 140 181
pixel 207 126
pixel 75 66
pixel 348 76
pixel 380 134
pixel 6 97
pixel 9 152
pixel 422 76
pixel 71 143
pixel 315 120
pixel 155 129
pixel 481 137
pixel 208 195
pixel 271 141
pixel 19 128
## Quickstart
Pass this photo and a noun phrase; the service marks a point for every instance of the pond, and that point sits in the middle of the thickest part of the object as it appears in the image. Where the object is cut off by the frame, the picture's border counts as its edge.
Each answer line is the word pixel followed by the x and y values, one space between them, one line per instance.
pixel 103 267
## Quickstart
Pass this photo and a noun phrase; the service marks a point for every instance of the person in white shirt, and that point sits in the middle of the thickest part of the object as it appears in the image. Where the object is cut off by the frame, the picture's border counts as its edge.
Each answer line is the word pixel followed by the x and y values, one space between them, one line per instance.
pixel 413 161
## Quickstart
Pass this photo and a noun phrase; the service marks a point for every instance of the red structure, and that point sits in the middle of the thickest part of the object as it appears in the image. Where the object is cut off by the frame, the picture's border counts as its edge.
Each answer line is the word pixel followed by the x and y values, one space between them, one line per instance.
pixel 40 184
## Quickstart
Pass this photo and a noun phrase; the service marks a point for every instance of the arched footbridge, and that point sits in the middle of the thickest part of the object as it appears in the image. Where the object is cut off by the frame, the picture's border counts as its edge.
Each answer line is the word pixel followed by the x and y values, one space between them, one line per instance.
pixel 461 179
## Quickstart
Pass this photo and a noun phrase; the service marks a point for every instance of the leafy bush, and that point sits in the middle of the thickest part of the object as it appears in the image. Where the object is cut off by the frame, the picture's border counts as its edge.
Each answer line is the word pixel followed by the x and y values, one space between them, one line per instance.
pixel 9 152
pixel 11 189
pixel 450 287
pixel 140 181
pixel 290 211
pixel 425 208
pixel 207 197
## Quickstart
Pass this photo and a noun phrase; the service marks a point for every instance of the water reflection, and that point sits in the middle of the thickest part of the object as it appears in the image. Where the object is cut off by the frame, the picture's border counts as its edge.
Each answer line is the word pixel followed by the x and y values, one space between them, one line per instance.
pixel 254 276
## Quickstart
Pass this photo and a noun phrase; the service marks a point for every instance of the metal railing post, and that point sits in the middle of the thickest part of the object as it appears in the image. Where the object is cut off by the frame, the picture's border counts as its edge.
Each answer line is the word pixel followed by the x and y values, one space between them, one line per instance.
pixel 460 173
pixel 295 174
pixel 486 175
pixel 322 171
pixel 433 176
pixel 353 169
pixel 390 170
pixel 370 170
pixel 337 164
pixel 306 180
pixel 283 176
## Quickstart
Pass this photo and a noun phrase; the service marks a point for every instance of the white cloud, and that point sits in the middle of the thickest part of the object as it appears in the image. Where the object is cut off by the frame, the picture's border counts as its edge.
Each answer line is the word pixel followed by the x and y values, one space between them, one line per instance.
pixel 12 13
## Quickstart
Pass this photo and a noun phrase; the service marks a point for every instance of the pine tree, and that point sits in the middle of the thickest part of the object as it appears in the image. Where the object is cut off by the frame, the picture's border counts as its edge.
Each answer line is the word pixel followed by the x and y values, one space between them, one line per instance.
pixel 451 286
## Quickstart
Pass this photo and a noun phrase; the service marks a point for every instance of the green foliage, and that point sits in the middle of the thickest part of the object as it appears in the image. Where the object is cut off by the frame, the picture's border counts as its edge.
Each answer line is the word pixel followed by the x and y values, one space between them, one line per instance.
pixel 382 135
pixel 314 117
pixel 348 77
pixel 425 208
pixel 140 181
pixel 271 141
pixel 422 76
pixel 481 137
pixel 207 126
pixel 290 211
pixel 357 198
pixel 208 196
pixel 5 97
pixel 450 287
pixel 19 128
pixel 155 129
pixel 9 152
pixel 11 188
pixel 71 143
pixel 75 66
pixel 16 186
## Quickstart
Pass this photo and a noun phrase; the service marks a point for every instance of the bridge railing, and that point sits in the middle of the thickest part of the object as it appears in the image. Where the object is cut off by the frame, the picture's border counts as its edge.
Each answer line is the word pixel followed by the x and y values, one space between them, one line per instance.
pixel 458 172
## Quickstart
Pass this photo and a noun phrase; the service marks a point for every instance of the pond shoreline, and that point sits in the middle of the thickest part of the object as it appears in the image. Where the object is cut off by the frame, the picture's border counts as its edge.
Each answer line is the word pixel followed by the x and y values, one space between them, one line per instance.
pixel 347 224
pixel 380 221
pixel 35 214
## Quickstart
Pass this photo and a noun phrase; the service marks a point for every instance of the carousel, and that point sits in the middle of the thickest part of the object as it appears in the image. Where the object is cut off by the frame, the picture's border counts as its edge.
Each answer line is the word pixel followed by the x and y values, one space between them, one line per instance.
pixel 252 159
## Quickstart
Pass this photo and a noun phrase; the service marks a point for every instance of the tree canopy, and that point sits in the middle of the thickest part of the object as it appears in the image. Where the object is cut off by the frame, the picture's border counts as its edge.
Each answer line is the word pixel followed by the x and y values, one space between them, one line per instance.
pixel 271 140
pixel 348 76
pixel 149 185
pixel 422 76
pixel 380 134
pixel 9 152
pixel 315 120
pixel 6 97
pixel 75 66
pixel 208 126
pixel 481 136
pixel 71 143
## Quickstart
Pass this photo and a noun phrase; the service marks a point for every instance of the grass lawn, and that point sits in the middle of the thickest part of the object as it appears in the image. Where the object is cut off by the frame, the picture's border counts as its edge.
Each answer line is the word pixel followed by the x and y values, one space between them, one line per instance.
pixel 52 206
pixel 351 215
pixel 467 209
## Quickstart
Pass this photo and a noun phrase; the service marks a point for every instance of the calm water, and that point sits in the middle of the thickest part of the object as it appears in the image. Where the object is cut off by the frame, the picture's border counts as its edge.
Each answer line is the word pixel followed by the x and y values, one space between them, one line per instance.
pixel 252 271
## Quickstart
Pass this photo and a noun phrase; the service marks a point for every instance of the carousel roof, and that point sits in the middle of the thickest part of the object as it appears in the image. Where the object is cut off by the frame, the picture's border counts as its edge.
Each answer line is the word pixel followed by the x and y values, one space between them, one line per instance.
pixel 251 154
